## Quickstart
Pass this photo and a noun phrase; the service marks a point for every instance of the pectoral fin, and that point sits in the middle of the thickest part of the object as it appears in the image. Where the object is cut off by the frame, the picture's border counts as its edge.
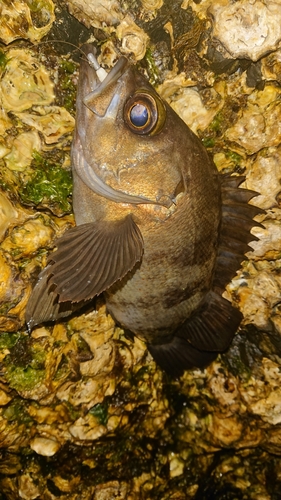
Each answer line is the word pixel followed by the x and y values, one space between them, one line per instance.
pixel 88 260
pixel 43 304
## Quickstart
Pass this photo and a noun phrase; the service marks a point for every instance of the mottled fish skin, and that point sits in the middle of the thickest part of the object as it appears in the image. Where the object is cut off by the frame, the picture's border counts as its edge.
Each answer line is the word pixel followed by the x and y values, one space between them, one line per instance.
pixel 180 242
pixel 158 230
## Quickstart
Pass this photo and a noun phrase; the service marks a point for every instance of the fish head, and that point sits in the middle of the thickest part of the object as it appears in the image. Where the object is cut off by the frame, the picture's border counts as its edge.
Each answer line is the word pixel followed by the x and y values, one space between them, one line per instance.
pixel 129 145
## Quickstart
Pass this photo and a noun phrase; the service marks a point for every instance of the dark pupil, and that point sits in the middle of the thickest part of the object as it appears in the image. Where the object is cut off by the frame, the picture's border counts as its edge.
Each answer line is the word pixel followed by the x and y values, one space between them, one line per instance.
pixel 139 115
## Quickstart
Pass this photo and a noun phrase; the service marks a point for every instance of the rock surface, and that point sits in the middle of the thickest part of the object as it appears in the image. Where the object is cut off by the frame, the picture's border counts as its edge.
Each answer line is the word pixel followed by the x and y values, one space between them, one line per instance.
pixel 84 411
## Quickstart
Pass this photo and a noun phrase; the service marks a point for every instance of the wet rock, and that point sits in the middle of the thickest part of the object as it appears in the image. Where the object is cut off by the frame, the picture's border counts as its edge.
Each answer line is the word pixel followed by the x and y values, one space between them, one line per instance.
pixel 247 30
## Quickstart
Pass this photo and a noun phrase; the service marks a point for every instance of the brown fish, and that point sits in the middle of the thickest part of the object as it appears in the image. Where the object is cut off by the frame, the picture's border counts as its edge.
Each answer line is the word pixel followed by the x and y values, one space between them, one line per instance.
pixel 159 231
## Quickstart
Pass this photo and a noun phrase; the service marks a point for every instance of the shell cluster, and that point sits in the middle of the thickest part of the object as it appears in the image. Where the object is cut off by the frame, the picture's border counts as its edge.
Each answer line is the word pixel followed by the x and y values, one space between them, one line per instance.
pixel 28 20
pixel 80 396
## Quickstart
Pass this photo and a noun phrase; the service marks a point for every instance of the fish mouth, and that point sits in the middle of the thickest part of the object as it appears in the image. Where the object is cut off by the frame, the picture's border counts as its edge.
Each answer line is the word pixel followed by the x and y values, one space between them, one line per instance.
pixel 104 79
pixel 102 82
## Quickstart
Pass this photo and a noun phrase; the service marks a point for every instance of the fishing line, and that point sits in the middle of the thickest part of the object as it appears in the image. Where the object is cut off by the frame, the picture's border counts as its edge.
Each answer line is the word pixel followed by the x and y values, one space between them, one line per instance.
pixel 90 58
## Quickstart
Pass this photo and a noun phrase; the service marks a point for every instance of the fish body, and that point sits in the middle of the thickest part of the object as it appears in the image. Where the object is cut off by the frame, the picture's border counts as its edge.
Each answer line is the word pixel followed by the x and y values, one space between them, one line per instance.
pixel 179 226
pixel 157 225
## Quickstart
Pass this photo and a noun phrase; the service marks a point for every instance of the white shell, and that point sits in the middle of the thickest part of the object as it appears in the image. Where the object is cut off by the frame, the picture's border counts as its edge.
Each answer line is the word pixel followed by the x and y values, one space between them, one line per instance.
pixel 246 28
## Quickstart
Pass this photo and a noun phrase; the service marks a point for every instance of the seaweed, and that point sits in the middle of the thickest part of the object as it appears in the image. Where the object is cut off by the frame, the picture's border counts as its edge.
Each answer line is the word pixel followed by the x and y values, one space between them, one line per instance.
pixel 24 366
pixel 49 185
pixel 65 88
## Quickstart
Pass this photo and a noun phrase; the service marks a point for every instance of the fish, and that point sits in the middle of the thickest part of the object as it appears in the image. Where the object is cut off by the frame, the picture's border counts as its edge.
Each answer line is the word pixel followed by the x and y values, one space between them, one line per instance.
pixel 159 231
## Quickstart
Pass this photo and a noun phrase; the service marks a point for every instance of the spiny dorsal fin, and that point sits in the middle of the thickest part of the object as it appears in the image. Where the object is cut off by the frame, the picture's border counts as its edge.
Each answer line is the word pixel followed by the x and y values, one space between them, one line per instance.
pixel 236 224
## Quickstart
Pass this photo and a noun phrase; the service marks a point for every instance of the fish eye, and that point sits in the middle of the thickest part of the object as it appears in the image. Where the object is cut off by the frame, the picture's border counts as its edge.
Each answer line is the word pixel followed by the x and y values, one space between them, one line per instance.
pixel 139 115
pixel 144 113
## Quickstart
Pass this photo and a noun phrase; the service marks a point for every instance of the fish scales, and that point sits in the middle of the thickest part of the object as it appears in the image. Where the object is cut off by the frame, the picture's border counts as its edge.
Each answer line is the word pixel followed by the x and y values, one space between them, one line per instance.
pixel 153 218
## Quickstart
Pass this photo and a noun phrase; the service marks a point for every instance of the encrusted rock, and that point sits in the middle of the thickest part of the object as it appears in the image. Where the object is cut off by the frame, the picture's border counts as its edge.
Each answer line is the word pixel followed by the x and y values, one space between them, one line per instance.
pixel 259 126
pixel 264 177
pixel 81 401
pixel 196 110
pixel 8 214
pixel 19 20
pixel 247 29
pixel 25 82
pixel 53 122
pixel 133 39
pixel 44 446
pixel 96 13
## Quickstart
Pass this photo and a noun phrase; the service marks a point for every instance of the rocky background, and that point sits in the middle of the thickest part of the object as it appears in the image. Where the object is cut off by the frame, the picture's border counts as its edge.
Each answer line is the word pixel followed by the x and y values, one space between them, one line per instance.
pixel 84 411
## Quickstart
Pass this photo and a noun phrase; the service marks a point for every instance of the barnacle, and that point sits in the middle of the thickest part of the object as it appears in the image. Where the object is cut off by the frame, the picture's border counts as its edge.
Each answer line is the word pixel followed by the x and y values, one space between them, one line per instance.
pixel 133 39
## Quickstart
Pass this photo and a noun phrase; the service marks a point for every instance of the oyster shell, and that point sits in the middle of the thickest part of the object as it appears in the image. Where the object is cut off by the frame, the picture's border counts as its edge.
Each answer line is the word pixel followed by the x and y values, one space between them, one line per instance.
pixel 8 214
pixel 247 30
pixel 258 127
pixel 22 148
pixel 80 396
pixel 96 13
pixel 149 8
pixel 44 446
pixel 133 39
pixel 25 82
pixel 20 20
pixel 55 123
